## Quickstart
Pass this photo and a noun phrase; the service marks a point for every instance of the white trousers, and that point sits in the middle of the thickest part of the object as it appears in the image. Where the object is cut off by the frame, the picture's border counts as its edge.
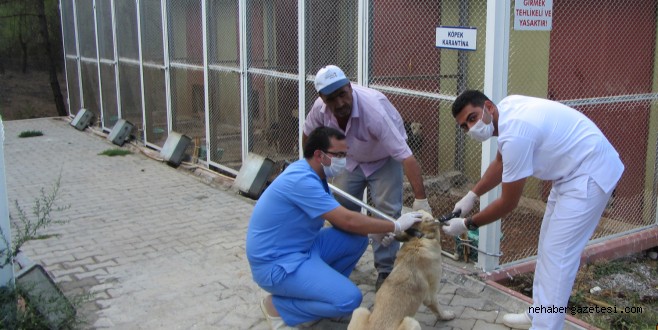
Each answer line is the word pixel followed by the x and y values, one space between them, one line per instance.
pixel 573 211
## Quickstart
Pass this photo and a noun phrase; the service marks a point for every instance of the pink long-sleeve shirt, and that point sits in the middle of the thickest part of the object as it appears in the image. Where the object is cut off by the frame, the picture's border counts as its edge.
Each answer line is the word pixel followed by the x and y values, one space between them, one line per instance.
pixel 375 130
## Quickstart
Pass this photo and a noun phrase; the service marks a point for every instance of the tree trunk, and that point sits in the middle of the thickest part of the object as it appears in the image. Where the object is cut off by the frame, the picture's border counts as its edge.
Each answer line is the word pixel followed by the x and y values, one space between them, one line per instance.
pixel 23 43
pixel 52 66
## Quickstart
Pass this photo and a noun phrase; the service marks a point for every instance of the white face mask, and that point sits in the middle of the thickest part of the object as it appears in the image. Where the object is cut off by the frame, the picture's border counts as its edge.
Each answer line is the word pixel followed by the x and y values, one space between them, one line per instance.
pixel 481 131
pixel 337 166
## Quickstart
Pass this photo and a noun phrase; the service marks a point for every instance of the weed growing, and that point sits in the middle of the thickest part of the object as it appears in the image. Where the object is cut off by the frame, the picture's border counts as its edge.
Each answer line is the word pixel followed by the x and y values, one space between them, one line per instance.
pixel 115 152
pixel 25 304
pixel 628 295
pixel 27 134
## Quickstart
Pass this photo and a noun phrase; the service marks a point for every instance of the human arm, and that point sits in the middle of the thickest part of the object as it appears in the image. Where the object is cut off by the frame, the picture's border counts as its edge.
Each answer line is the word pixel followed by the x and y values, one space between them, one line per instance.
pixel 508 201
pixel 413 173
pixel 313 120
pixel 491 178
pixel 358 223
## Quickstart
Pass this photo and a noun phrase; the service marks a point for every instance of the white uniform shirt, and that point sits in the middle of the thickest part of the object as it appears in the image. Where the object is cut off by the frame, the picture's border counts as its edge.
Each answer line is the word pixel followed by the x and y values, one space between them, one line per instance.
pixel 551 141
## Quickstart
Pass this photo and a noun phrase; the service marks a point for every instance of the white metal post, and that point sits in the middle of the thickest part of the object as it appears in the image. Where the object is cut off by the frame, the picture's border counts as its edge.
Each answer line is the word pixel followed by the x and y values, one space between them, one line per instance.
pixel 301 67
pixel 117 76
pixel 77 53
pixel 495 86
pixel 244 93
pixel 206 96
pixel 7 271
pixel 167 72
pixel 98 65
pixel 66 72
pixel 141 66
pixel 363 49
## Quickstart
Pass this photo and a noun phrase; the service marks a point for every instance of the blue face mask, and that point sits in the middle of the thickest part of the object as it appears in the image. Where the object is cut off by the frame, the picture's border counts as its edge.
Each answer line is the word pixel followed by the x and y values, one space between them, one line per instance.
pixel 335 168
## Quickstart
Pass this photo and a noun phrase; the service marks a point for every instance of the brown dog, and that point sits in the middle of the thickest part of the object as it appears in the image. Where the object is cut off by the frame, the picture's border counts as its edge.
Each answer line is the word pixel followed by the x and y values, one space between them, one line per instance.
pixel 414 280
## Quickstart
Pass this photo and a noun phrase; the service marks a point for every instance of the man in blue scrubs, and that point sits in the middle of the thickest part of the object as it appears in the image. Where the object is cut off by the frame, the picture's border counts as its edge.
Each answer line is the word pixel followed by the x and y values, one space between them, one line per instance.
pixel 304 265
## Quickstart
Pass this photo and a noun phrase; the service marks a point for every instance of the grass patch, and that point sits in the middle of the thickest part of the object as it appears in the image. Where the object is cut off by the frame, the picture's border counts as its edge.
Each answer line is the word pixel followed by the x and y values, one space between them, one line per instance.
pixel 115 152
pixel 628 298
pixel 630 292
pixel 26 134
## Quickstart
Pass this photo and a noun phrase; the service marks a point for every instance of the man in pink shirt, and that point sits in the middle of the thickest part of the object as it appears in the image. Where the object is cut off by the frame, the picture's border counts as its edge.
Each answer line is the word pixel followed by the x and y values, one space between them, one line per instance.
pixel 377 155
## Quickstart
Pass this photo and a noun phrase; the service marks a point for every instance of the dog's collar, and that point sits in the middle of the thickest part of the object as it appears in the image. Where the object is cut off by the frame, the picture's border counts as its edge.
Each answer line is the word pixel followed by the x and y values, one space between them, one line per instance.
pixel 415 232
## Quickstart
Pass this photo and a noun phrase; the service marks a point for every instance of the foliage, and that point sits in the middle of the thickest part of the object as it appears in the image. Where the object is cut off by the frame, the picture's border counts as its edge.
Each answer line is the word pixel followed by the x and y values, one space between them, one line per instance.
pixel 617 297
pixel 42 212
pixel 115 152
pixel 15 311
pixel 610 275
pixel 26 134
pixel 19 30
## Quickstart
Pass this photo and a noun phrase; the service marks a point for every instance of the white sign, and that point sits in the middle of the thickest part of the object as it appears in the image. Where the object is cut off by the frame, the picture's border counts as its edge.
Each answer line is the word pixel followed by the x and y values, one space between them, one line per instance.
pixel 533 15
pixel 456 37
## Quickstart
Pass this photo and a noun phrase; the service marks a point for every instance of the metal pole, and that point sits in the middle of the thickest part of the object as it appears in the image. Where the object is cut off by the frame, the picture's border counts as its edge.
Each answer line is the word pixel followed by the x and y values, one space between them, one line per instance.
pixel 654 200
pixel 77 55
pixel 462 73
pixel 7 271
pixel 375 211
pixel 361 203
pixel 138 6
pixel 66 72
pixel 206 89
pixel 301 67
pixel 164 6
pixel 495 86
pixel 244 77
pixel 98 66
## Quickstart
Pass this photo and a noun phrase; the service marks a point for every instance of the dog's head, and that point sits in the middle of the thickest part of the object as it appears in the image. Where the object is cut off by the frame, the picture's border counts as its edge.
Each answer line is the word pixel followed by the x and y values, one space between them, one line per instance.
pixel 428 227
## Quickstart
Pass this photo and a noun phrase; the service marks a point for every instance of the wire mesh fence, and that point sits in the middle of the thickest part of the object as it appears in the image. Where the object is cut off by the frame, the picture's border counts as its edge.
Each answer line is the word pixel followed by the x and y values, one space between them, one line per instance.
pixel 244 81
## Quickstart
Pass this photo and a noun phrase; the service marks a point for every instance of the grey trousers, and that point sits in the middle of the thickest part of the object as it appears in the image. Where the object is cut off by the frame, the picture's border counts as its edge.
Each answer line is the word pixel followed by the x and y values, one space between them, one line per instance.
pixel 385 189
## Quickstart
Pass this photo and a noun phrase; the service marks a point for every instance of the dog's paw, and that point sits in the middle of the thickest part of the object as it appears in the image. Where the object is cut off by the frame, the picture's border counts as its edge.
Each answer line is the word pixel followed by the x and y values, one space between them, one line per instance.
pixel 447 315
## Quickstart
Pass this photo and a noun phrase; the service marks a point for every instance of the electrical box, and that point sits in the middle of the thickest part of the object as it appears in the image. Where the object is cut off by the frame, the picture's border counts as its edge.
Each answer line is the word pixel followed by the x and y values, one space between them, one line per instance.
pixel 253 175
pixel 82 119
pixel 173 150
pixel 121 132
pixel 44 295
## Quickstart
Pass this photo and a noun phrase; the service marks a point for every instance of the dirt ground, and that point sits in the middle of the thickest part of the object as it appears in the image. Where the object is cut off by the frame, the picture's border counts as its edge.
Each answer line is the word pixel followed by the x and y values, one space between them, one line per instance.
pixel 27 95
pixel 625 291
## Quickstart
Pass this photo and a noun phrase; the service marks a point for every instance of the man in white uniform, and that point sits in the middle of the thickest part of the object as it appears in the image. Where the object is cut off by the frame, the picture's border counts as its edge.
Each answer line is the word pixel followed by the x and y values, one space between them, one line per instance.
pixel 553 142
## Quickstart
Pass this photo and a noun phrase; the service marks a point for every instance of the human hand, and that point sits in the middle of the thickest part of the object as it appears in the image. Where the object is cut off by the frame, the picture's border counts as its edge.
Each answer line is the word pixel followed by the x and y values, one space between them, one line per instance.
pixel 407 220
pixel 465 205
pixel 384 239
pixel 455 227
pixel 422 204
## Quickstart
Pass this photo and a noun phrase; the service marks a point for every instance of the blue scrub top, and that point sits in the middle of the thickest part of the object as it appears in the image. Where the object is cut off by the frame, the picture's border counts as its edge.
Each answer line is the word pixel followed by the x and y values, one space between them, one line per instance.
pixel 287 219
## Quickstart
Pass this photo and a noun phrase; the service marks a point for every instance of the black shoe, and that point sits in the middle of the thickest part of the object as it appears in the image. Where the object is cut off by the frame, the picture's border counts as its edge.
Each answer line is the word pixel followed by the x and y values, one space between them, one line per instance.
pixel 380 280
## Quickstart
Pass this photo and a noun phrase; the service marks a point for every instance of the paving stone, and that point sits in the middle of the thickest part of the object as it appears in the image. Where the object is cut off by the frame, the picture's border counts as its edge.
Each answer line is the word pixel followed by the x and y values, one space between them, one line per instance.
pixel 471 313
pixel 483 325
pixel 460 324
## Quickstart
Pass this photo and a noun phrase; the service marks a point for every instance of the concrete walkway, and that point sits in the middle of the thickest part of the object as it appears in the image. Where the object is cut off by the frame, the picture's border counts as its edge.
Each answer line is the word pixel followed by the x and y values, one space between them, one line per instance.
pixel 163 248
